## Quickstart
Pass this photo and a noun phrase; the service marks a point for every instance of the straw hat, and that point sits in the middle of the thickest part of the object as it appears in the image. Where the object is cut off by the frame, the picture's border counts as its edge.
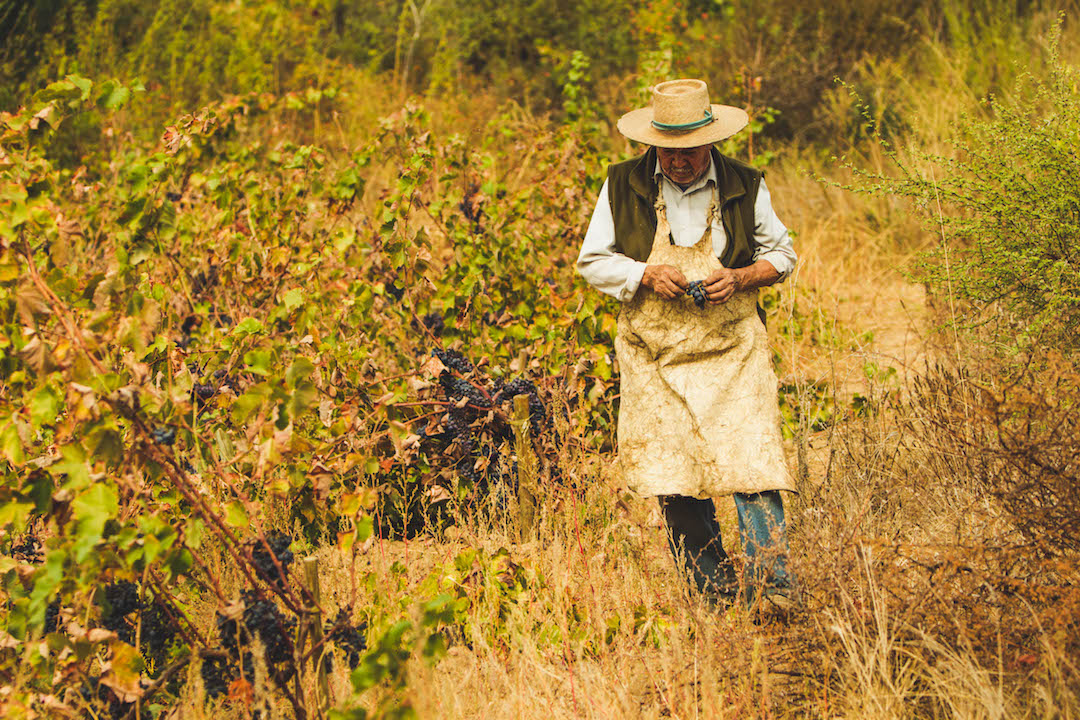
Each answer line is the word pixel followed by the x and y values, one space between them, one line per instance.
pixel 682 117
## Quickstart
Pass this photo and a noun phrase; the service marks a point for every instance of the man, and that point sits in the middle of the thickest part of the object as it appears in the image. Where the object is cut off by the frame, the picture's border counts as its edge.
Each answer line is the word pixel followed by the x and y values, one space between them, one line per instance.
pixel 684 237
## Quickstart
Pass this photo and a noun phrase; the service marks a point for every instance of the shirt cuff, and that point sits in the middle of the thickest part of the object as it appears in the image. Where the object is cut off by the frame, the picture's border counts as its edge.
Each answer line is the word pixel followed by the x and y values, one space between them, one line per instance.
pixel 633 281
pixel 780 261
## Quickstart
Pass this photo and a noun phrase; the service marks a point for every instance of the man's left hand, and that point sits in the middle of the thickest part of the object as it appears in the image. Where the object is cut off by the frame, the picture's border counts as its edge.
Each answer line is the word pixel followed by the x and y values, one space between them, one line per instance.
pixel 722 284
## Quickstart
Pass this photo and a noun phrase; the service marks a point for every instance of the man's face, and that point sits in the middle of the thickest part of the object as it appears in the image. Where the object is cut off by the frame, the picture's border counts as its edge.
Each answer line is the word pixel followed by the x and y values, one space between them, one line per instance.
pixel 683 166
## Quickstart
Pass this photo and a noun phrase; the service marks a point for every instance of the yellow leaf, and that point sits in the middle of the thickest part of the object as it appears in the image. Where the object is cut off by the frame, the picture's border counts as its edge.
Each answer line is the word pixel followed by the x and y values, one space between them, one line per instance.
pixel 235 515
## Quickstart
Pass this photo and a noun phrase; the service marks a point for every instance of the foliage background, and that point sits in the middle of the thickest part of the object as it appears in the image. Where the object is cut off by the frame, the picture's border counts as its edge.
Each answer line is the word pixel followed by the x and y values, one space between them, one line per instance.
pixel 232 235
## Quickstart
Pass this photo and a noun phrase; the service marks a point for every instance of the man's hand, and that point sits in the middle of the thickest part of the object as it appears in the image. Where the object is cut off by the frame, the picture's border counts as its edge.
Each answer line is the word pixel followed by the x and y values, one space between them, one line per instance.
pixel 665 280
pixel 722 284
pixel 725 282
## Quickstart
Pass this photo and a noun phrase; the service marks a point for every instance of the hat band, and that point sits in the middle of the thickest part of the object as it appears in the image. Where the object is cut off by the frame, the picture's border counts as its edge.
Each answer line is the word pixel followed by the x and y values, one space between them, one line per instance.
pixel 685 126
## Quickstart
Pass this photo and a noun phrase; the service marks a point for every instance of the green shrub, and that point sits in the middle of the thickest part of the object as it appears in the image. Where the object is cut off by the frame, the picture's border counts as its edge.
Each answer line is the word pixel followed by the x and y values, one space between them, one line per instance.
pixel 1006 206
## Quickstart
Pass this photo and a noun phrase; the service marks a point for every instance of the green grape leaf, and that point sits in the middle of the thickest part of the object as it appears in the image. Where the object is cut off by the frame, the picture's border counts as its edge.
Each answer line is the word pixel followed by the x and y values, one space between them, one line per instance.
pixel 293 299
pixel 92 509
pixel 10 444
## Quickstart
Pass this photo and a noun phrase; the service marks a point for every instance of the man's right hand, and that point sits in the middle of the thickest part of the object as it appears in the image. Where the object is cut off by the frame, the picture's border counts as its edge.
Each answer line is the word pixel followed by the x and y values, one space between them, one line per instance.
pixel 665 280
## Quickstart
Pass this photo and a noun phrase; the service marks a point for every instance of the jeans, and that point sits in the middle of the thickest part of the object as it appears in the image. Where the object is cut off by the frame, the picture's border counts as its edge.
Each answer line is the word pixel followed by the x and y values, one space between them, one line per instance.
pixel 694 538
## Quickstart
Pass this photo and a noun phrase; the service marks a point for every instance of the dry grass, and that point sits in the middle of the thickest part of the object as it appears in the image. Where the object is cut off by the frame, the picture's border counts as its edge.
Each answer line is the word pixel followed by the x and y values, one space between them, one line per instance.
pixel 906 571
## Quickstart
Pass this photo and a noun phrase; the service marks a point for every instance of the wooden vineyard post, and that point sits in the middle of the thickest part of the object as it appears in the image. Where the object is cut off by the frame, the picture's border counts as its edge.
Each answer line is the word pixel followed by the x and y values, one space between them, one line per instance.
pixel 526 466
pixel 315 632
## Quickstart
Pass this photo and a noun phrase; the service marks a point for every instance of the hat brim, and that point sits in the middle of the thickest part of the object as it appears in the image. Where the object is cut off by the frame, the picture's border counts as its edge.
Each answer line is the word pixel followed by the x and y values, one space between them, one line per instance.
pixel 727 120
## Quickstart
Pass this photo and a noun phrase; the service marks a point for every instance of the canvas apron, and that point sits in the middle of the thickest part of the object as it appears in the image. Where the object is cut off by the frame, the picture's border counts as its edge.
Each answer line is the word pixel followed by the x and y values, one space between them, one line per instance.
pixel 698 413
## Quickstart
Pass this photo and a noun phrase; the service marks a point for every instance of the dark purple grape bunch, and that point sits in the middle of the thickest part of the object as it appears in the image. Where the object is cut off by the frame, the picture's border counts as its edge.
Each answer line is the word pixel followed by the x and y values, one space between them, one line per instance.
pixel 122 598
pixel 394 291
pixel 261 618
pixel 348 637
pixel 52 617
pixel 538 417
pixel 202 392
pixel 29 550
pixel 225 380
pixel 696 290
pixel 164 435
pixel 121 601
pixel 123 611
pixel 455 427
pixel 216 673
pixel 457 388
pixel 434 322
pixel 158 630
pixel 265 568
pixel 453 360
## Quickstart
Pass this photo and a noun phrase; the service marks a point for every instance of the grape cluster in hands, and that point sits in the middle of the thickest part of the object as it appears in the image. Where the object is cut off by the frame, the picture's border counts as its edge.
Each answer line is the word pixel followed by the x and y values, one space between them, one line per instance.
pixel 696 290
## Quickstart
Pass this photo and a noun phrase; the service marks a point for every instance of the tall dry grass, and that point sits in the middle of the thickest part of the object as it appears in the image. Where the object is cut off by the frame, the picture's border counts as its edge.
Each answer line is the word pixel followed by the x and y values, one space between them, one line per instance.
pixel 923 599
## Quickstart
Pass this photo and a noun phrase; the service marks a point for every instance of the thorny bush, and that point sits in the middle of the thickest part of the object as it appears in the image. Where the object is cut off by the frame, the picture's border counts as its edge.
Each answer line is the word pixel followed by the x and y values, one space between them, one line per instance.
pixel 1005 205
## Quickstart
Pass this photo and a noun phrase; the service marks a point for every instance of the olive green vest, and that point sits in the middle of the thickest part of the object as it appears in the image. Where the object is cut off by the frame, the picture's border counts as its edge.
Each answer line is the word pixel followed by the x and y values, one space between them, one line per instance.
pixel 632 191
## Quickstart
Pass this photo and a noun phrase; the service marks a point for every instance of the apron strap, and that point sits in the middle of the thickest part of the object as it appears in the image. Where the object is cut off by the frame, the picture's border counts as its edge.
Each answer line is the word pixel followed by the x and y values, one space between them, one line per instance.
pixel 663 228
pixel 712 217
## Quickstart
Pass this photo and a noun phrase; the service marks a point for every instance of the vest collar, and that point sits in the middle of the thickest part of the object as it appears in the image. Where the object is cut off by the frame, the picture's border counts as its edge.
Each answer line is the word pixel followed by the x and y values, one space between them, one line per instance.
pixel 728 183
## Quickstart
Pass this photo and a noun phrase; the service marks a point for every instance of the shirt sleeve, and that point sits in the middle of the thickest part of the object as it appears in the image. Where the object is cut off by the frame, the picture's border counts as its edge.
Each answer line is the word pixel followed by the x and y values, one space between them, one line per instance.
pixel 771 236
pixel 606 270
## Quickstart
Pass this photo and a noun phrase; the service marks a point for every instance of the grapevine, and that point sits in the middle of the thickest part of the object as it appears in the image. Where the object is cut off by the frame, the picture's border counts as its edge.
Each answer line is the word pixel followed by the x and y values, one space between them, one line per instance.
pixel 158 395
